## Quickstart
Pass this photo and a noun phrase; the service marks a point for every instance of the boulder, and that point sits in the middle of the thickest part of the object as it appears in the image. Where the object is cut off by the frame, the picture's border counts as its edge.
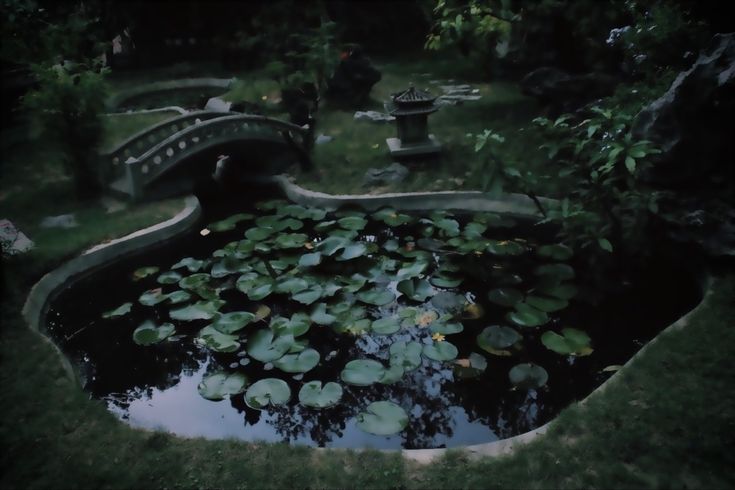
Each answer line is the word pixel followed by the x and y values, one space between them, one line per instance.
pixel 692 123
pixel 393 173
pixel 565 92
pixel 353 78
pixel 218 105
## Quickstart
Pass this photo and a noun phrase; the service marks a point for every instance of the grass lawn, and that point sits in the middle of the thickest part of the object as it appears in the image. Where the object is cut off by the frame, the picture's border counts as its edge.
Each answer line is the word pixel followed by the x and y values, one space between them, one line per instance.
pixel 667 421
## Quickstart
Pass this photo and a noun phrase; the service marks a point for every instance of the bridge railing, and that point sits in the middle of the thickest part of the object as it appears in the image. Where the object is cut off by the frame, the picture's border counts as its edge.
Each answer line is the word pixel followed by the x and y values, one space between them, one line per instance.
pixel 145 168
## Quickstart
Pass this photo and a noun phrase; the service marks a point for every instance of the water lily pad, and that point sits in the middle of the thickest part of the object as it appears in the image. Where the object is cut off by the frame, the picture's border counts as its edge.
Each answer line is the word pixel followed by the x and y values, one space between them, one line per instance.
pixel 222 385
pixel 391 217
pixel 359 326
pixel 449 302
pixel 505 247
pixel 382 418
pixel 527 316
pixel 144 272
pixel 386 326
pixel 362 372
pixel 432 245
pixel 406 355
pixel 152 297
pixel 302 362
pixel 377 296
pixel 416 289
pixel 471 367
pixel 291 285
pixel 562 291
pixel 391 245
pixel 290 240
pixel 559 272
pixel 331 244
pixel 264 346
pixel 355 223
pixel 229 223
pixel 177 297
pixel 440 351
pixel 297 325
pixel 215 340
pixel 310 259
pixel 474 230
pixel 312 394
pixel 194 281
pixel 353 283
pixel 505 296
pixel 169 277
pixel 570 342
pixel 496 338
pixel 309 296
pixel 393 374
pixel 320 316
pixel 232 322
pixel 424 318
pixel 443 280
pixel 472 311
pixel 352 251
pixel 261 288
pixel 446 328
pixel 149 333
pixel 121 310
pixel 547 304
pixel 229 265
pixel 191 264
pixel 528 376
pixel 447 227
pixel 557 251
pixel 201 310
pixel 411 270
pixel 268 391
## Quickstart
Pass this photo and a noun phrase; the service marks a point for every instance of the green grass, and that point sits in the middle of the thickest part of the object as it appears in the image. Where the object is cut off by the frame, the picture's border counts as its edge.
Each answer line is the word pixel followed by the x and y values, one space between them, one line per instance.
pixel 120 127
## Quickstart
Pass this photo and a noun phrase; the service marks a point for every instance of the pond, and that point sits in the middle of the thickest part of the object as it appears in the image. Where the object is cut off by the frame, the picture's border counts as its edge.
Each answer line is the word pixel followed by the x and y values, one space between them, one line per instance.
pixel 282 323
pixel 187 98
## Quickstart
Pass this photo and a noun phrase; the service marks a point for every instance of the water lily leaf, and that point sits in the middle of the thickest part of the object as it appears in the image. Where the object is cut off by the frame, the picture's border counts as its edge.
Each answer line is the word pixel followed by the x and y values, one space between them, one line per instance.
pixel 232 322
pixel 302 212
pixel 382 418
pixel 207 292
pixel 260 288
pixel 331 244
pixel 194 281
pixel 353 283
pixel 352 252
pixel 505 296
pixel 177 297
pixel 446 281
pixel 505 247
pixel 392 375
pixel 362 372
pixel 528 376
pixel 258 234
pixel 302 362
pixel 557 251
pixel 416 289
pixel 496 338
pixel 121 310
pixel 386 326
pixel 290 240
pixel 432 245
pixel 446 328
pixel 425 318
pixel 229 265
pixel 352 326
pixel 447 227
pixel 149 333
pixel 296 326
pixel 324 225
pixel 191 264
pixel 312 394
pixel 473 311
pixel 215 340
pixel 440 351
pixel 377 296
pixel 268 391
pixel 474 230
pixel 308 296
pixel 263 347
pixel 391 217
pixel 471 367
pixel 221 385
pixel 320 316
pixel 494 220
pixel 278 223
pixel 144 272
pixel 570 342
pixel 527 316
pixel 406 355
pixel 547 304
pixel 230 223
pixel 563 291
pixel 559 272
pixel 201 310
pixel 271 204
pixel 291 285
pixel 310 260
pixel 354 223
pixel 169 277
pixel 391 245
pixel 449 302
pixel 411 270
pixel 152 297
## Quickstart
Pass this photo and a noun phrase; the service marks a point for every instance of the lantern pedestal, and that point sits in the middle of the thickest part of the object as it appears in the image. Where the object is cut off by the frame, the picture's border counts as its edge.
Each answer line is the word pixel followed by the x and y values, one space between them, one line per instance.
pixel 402 149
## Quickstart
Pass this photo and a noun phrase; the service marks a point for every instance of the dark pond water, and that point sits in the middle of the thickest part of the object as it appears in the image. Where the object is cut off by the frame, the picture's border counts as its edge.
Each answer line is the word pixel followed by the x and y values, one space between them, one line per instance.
pixel 155 386
pixel 187 98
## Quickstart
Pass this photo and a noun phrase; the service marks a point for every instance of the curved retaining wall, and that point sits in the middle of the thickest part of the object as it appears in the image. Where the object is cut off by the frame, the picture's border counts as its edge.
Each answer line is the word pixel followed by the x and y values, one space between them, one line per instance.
pixel 515 205
pixel 184 83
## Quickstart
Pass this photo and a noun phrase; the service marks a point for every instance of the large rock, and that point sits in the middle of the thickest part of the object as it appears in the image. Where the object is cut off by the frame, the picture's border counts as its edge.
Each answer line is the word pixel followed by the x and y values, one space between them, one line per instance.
pixel 693 123
pixel 565 92
pixel 353 78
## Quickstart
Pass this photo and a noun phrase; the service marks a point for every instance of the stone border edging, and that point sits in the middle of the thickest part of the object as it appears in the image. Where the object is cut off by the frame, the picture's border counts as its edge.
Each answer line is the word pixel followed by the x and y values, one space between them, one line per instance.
pixel 183 83
pixel 36 305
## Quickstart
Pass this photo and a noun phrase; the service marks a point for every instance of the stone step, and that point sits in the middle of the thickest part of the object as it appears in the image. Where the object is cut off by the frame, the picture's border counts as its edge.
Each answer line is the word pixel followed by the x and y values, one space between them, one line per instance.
pixel 121 188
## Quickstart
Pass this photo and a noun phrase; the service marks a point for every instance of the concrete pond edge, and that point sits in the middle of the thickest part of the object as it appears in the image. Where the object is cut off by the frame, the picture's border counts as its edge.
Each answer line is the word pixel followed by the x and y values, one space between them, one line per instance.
pixel 514 205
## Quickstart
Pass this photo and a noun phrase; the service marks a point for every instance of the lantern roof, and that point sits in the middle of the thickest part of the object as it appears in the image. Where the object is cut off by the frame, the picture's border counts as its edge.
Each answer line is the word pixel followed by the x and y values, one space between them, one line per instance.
pixel 413 101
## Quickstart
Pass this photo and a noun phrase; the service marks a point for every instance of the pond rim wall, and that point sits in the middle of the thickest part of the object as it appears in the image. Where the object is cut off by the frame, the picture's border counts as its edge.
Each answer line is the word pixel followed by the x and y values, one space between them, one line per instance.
pixel 514 205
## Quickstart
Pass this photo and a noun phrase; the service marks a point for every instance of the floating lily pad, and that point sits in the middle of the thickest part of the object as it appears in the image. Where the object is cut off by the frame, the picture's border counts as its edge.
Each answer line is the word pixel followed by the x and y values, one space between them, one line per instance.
pixel 230 223
pixel 446 328
pixel 202 310
pixel 547 304
pixel 447 227
pixel 353 283
pixel 472 311
pixel 562 291
pixel 232 322
pixel 406 355
pixel 310 260
pixel 229 265
pixel 169 277
pixel 258 234
pixel 495 339
pixel 557 251
pixel 570 342
pixel 265 347
pixel 331 244
pixel 391 245
pixel 194 281
pixel 268 391
pixel 261 288
pixel 152 297
pixel 149 333
pixel 377 296
pixel 362 372
pixel 449 302
pixel 355 223
pixel 471 367
pixel 443 280
pixel 432 245
pixel 121 310
pixel 144 272
pixel 559 272
pixel 191 264
pixel 291 285
pixel 352 251
pixel 391 217
pixel 527 316
pixel 297 325
pixel 382 418
pixel 440 351
pixel 290 240
pixel 302 362
pixel 312 394
pixel 528 376
pixel 474 230
pixel 309 296
pixel 411 270
pixel 386 326
pixel 177 297
pixel 505 247
pixel 425 318
pixel 320 316
pixel 215 340
pixel 358 326
pixel 221 385
pixel 505 296
pixel 416 289
pixel 393 374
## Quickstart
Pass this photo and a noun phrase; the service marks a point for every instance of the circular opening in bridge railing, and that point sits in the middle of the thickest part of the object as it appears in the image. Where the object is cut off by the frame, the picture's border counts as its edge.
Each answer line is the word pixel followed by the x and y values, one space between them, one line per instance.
pixel 382 329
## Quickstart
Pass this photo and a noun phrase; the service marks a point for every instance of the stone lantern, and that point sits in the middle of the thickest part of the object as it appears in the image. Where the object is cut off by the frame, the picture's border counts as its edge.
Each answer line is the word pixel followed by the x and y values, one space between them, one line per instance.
pixel 411 108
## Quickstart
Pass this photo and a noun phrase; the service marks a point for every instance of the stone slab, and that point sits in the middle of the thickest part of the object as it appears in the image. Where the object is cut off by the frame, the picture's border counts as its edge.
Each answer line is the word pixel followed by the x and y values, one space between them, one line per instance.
pixel 397 149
